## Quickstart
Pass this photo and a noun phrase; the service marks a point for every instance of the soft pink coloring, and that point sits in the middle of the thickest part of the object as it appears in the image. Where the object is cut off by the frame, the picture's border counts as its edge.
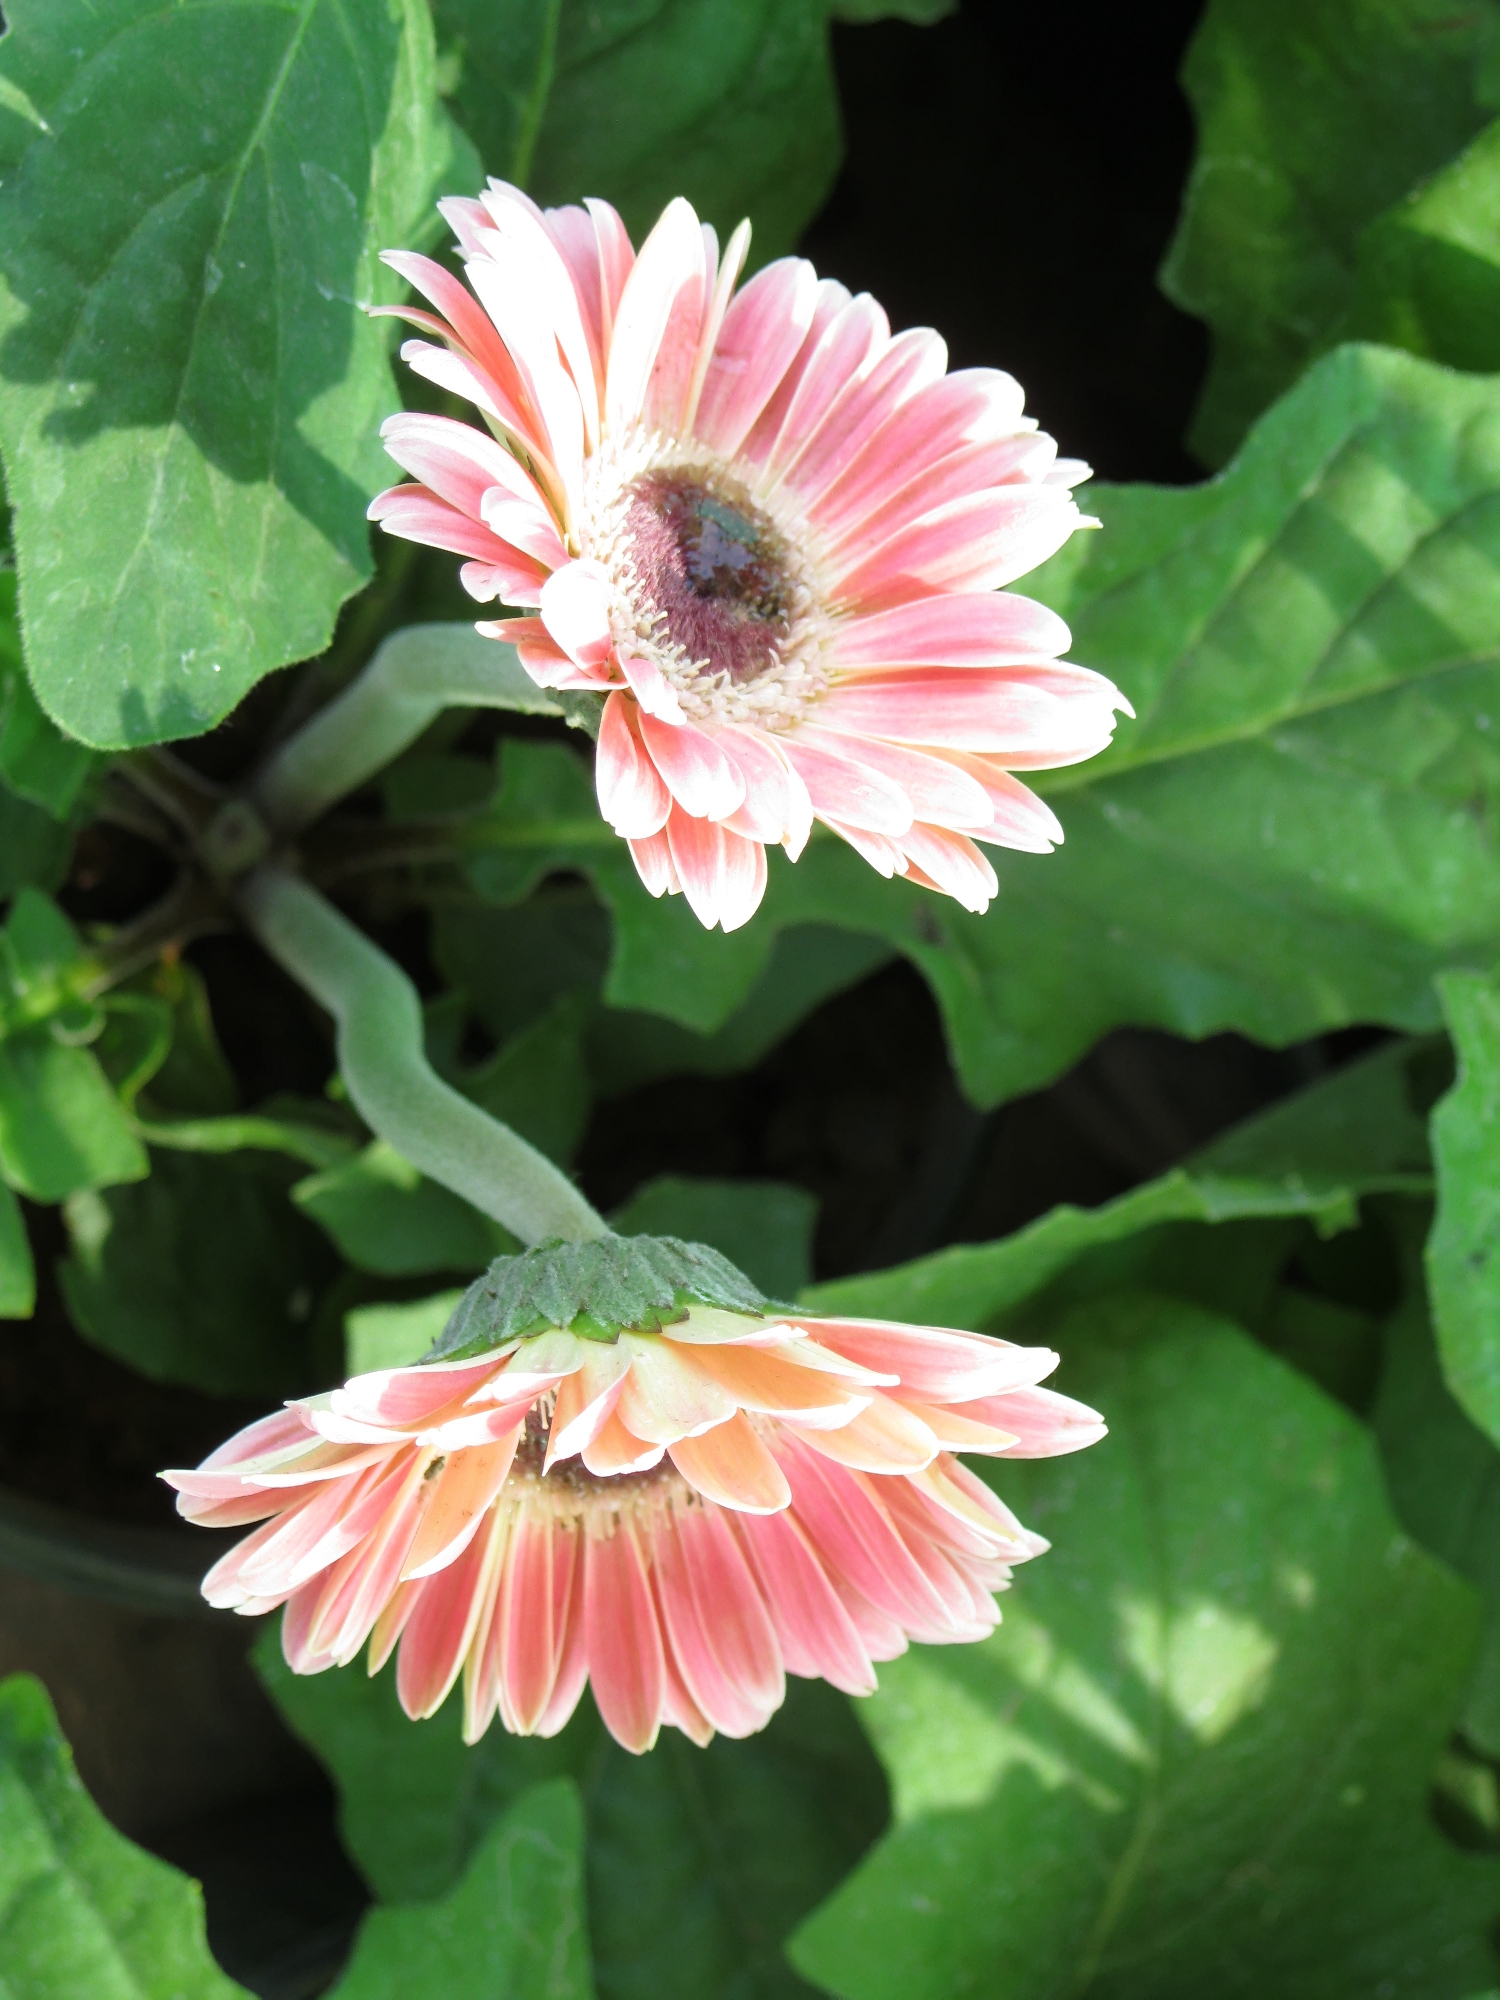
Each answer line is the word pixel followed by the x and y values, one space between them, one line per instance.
pixel 770 532
pixel 681 1518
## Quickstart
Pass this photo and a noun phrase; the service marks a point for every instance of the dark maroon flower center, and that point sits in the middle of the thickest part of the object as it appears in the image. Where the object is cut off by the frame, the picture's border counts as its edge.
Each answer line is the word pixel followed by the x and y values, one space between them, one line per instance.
pixel 713 570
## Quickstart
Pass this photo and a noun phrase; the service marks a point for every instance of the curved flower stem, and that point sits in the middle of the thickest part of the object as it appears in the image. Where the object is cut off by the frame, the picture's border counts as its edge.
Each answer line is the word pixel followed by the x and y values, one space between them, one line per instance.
pixel 416 674
pixel 393 1086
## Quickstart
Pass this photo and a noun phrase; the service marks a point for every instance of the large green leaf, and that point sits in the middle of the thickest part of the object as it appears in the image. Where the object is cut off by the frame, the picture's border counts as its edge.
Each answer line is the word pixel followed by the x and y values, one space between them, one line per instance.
pixel 765 1227
pixel 389 1219
pixel 62 1126
pixel 17 1270
pixel 1299 830
pixel 1297 833
pixel 203 1274
pixel 1427 272
pixel 1463 1254
pixel 189 396
pixel 1358 1132
pixel 699 1862
pixel 84 1913
pixel 514 1925
pixel 1194 1758
pixel 1312 120
pixel 37 761
pixel 1442 1470
pixel 729 102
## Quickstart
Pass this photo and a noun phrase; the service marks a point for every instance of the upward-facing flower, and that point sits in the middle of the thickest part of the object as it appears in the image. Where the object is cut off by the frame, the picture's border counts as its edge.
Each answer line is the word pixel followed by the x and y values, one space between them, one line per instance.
pixel 772 534
pixel 681 1509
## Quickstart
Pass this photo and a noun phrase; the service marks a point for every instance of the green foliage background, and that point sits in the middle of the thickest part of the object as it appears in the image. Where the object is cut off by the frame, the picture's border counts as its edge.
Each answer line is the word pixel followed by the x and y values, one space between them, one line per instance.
pixel 1240 1733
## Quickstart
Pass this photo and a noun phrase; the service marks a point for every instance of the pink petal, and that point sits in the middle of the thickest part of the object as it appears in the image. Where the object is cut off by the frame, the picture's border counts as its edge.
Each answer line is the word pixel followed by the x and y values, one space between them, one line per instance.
pixel 722 278
pixel 1046 1424
pixel 1019 818
pixel 585 1401
pixel 829 301
pixel 656 325
pixel 572 1647
pixel 632 796
pixel 884 1437
pixel 417 515
pixel 575 610
pixel 532 260
pixel 911 361
pixel 623 1638
pixel 465 1490
pixel 934 788
pixel 667 1395
pixel 655 866
pixel 976 543
pixel 850 343
pixel 762 333
pixel 615 1448
pixel 697 773
pixel 935 1364
pixel 882 853
pixel 440 1628
pixel 529 1617
pixel 977 708
pixel 721 1633
pixel 856 1539
pixel 776 805
pixel 840 784
pixel 816 1635
pixel 951 864
pixel 472 328
pixel 730 1464
pixel 516 580
pixel 953 629
pixel 722 875
pixel 651 688
pixel 956 478
pixel 971 406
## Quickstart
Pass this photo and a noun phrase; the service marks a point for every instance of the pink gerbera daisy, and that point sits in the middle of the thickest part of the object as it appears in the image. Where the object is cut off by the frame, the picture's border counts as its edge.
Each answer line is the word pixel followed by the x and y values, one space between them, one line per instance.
pixel 767 531
pixel 680 1512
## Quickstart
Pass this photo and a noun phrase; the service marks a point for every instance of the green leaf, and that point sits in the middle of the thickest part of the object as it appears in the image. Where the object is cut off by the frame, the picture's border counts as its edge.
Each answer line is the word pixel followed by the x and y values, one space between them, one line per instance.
pixel 389 1219
pixel 85 1914
pixel 1312 120
pixel 204 1274
pixel 395 1335
pixel 1195 1757
pixel 537 1083
pixel 1357 1132
pixel 765 1227
pixel 189 396
pixel 37 761
pixel 34 848
pixel 1298 833
pixel 514 1925
pixel 1443 1472
pixel 699 1862
pixel 1427 272
pixel 1463 1253
pixel 729 102
pixel 17 1271
pixel 543 820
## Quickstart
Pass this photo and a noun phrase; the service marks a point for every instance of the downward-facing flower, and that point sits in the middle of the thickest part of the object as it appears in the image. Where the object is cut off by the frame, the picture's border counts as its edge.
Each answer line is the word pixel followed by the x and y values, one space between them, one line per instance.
pixel 768 531
pixel 681 1510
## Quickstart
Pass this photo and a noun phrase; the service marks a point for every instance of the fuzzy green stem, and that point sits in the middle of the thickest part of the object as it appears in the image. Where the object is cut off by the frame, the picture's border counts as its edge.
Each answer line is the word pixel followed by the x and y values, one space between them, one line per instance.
pixel 390 1081
pixel 417 673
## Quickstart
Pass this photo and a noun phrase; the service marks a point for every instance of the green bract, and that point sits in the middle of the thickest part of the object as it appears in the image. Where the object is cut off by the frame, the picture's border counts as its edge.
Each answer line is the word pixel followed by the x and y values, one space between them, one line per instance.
pixel 599 1289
